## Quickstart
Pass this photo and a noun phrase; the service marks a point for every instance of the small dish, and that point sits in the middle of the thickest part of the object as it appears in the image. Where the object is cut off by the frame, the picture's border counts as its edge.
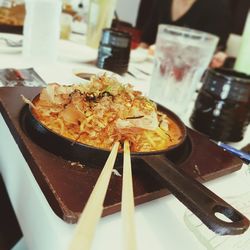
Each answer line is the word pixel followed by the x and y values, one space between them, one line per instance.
pixel 140 55
pixel 76 52
pixel 87 72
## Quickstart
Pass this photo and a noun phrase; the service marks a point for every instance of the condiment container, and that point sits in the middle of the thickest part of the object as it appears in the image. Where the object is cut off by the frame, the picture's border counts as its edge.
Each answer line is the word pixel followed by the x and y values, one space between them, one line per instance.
pixel 101 13
pixel 114 51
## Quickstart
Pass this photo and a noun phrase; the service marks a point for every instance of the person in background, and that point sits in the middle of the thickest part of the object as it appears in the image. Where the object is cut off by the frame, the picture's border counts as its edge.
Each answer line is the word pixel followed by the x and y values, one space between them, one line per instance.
pixel 144 11
pixel 212 16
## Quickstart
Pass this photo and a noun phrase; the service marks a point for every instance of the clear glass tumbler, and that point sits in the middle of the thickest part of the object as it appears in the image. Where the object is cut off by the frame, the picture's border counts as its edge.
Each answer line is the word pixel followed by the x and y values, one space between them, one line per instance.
pixel 41 30
pixel 181 57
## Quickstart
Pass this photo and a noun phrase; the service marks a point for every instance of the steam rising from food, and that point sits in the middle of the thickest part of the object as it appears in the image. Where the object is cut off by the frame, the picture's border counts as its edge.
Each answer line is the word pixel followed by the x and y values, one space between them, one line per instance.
pixel 105 111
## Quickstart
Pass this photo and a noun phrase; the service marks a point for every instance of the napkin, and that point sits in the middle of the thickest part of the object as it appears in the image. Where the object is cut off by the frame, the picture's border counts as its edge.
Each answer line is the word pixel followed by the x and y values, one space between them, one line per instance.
pixel 212 241
pixel 11 77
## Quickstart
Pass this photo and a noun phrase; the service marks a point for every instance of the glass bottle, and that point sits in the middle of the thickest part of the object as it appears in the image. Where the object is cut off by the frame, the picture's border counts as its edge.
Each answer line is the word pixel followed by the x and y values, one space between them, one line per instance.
pixel 100 16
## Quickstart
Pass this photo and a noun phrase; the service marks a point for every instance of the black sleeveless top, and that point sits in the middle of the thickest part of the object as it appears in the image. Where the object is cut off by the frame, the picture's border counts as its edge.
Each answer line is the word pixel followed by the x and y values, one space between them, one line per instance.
pixel 212 16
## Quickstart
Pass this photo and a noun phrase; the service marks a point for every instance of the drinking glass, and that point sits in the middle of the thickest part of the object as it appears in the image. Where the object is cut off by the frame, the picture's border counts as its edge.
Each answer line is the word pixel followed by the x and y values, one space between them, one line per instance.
pixel 181 57
pixel 41 30
pixel 100 16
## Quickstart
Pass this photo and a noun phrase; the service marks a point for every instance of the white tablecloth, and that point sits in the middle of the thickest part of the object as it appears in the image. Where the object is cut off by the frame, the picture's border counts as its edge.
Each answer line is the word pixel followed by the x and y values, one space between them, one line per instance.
pixel 160 224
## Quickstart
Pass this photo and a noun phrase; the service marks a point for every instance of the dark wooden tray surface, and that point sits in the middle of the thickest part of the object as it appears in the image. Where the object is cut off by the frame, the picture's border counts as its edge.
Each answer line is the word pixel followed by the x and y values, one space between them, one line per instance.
pixel 67 187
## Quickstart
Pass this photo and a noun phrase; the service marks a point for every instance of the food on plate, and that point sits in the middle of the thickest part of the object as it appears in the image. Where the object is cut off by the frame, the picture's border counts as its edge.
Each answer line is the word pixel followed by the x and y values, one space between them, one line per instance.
pixel 104 111
pixel 12 15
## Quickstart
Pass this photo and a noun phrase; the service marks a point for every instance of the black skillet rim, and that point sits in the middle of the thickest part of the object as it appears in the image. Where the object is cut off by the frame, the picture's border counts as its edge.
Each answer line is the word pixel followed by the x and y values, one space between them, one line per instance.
pixel 27 111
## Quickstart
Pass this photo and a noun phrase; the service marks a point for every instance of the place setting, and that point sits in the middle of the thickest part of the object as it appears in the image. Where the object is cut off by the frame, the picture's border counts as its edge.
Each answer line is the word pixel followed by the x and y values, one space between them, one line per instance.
pixel 124 134
pixel 29 132
pixel 10 43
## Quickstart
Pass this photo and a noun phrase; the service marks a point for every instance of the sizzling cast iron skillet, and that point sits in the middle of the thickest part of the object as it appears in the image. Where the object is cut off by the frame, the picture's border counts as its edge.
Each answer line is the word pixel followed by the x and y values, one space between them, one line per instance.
pixel 200 200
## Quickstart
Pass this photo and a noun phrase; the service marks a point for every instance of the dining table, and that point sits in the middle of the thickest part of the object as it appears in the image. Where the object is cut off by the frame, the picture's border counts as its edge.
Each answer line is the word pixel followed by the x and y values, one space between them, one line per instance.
pixel 163 223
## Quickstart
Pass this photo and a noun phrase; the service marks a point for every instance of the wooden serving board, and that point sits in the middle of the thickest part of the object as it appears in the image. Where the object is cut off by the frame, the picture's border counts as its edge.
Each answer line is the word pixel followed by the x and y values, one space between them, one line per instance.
pixel 67 185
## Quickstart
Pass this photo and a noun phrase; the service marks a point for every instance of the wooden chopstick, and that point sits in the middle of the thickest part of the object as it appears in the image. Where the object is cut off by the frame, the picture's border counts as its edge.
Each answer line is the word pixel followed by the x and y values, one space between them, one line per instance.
pixel 85 228
pixel 128 202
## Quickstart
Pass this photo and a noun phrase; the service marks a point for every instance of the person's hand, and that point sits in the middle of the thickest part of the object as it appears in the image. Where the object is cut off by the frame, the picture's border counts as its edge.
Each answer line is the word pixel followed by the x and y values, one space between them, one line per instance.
pixel 218 59
pixel 151 50
pixel 143 45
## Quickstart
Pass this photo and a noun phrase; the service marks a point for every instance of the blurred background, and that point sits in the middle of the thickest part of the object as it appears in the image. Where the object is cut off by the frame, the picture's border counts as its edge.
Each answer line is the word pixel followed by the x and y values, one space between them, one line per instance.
pixel 134 12
pixel 130 16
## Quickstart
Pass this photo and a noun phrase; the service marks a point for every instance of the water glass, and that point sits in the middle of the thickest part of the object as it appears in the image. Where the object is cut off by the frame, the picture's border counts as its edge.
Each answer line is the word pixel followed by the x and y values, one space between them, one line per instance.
pixel 181 57
pixel 41 30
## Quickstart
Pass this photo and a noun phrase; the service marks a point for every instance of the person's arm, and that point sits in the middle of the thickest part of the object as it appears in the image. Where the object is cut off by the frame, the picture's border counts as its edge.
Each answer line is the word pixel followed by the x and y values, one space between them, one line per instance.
pixel 217 21
pixel 149 31
pixel 218 59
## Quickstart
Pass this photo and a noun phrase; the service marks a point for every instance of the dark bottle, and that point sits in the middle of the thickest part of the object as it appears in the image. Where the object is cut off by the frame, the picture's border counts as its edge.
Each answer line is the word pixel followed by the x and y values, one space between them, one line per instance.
pixel 114 51
pixel 222 108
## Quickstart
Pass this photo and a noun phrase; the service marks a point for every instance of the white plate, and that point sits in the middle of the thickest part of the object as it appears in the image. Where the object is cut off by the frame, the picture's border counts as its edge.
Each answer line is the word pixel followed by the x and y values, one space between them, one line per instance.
pixel 4 48
pixel 76 52
pixel 140 55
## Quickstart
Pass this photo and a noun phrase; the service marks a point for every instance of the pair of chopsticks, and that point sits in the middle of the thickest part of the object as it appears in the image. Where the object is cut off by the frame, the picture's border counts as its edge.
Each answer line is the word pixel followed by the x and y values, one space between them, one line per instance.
pixel 85 228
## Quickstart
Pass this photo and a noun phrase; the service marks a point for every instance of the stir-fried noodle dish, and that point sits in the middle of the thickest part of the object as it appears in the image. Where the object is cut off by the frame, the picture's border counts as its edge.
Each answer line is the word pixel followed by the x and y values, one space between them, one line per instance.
pixel 104 111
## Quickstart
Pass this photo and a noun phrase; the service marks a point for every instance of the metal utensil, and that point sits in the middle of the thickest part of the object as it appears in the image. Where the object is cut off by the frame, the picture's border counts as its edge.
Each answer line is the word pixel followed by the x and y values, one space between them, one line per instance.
pixel 241 154
pixel 12 43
